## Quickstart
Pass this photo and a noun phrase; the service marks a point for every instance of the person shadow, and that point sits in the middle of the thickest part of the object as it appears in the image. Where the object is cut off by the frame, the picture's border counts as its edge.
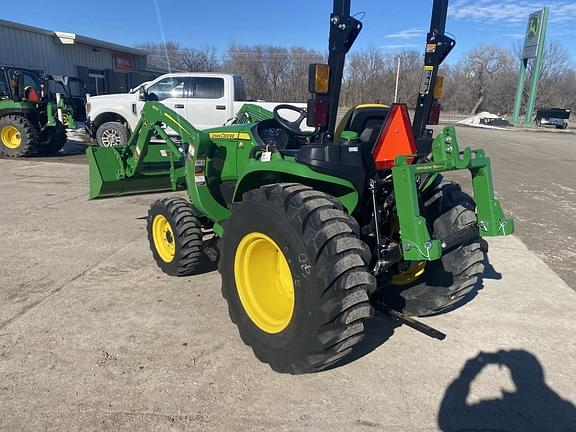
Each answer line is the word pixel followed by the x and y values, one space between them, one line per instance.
pixel 533 407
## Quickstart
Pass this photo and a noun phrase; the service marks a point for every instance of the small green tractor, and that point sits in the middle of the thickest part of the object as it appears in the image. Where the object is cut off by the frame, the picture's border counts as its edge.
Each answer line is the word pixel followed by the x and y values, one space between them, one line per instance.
pixel 314 229
pixel 29 114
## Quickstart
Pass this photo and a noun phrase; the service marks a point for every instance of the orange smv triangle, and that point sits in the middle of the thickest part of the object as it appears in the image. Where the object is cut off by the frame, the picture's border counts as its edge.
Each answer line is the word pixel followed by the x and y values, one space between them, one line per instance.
pixel 395 139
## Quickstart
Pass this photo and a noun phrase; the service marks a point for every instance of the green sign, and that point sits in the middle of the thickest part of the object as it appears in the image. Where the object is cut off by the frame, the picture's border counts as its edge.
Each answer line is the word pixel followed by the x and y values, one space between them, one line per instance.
pixel 532 38
pixel 533 49
pixel 533 27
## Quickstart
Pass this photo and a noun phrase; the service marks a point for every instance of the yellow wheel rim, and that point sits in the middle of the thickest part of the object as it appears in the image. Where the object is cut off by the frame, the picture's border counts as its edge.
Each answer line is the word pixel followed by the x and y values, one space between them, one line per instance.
pixel 264 282
pixel 163 237
pixel 10 137
pixel 411 275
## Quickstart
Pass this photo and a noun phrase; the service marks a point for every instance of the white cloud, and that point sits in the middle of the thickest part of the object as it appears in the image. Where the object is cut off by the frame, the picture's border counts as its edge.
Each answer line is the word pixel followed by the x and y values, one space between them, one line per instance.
pixel 407 34
pixel 514 35
pixel 511 11
pixel 399 46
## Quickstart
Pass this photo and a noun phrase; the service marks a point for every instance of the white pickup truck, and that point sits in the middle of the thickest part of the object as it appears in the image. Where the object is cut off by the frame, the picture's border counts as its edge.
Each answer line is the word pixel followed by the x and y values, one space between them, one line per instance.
pixel 205 99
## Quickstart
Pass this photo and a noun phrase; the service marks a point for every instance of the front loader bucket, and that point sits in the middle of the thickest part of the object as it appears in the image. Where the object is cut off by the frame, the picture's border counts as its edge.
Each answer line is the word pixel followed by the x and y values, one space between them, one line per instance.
pixel 107 178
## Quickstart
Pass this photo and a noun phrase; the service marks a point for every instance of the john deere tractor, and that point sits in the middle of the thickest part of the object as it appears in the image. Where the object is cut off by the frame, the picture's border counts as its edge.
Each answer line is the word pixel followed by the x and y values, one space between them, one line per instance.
pixel 29 114
pixel 314 229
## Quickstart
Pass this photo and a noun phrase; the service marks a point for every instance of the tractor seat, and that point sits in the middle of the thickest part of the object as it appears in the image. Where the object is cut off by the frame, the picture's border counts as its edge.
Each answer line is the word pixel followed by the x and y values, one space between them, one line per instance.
pixel 369 136
pixel 367 121
pixel 31 94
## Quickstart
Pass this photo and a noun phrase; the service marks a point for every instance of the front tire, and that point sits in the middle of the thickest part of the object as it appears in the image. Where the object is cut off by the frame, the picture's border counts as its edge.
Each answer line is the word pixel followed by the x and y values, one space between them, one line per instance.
pixel 294 274
pixel 112 134
pixel 18 136
pixel 436 286
pixel 175 237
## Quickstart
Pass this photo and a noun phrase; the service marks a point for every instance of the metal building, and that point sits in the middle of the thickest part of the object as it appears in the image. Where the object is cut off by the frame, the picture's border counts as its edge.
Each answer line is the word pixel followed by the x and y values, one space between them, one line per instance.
pixel 104 67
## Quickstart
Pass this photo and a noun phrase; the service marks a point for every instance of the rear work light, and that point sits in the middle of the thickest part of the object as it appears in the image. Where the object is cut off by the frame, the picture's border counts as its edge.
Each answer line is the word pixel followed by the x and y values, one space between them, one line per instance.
pixel 319 78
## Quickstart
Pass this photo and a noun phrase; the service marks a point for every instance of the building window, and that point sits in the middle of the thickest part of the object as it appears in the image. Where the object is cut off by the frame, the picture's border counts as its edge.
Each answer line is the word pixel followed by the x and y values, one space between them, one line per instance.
pixel 96 83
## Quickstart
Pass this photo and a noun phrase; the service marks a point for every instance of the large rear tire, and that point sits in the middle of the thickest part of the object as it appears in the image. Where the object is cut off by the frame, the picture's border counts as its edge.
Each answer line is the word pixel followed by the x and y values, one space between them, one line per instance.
pixel 294 274
pixel 53 139
pixel 18 136
pixel 175 236
pixel 433 287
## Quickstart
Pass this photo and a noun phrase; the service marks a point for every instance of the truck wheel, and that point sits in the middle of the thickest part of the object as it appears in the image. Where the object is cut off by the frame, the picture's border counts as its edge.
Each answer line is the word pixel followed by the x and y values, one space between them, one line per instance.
pixel 428 288
pixel 52 139
pixel 294 277
pixel 175 237
pixel 18 136
pixel 111 134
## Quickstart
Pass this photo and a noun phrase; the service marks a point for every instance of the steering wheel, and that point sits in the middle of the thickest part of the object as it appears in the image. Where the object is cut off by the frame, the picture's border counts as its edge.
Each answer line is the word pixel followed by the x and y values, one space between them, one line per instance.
pixel 294 126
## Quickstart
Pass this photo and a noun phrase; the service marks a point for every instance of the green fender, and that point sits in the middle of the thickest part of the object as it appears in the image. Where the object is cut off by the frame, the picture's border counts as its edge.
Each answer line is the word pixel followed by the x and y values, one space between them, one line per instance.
pixel 280 170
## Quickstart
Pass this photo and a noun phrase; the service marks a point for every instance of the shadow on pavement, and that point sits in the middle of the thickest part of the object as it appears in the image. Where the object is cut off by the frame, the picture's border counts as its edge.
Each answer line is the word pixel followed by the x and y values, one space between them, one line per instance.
pixel 71 148
pixel 533 407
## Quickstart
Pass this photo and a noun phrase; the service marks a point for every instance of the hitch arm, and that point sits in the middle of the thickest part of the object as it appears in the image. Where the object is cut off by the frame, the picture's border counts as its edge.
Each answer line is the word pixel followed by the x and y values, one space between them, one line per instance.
pixel 416 241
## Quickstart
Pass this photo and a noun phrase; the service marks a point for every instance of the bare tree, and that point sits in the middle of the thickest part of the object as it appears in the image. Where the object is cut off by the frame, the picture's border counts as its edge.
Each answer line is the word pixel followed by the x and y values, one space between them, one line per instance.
pixel 172 56
pixel 554 86
pixel 483 79
pixel 272 73
pixel 410 75
pixel 481 67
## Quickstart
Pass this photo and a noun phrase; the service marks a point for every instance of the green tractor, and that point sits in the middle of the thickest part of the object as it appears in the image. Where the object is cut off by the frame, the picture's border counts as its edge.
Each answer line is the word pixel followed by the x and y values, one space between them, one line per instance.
pixel 314 229
pixel 29 114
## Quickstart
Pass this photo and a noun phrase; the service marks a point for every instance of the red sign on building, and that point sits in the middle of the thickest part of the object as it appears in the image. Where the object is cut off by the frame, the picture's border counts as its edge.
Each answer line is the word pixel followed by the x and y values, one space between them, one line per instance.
pixel 122 62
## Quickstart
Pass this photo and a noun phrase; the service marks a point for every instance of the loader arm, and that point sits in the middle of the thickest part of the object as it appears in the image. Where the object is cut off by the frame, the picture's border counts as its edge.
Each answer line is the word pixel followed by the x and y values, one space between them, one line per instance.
pixel 152 120
pixel 120 170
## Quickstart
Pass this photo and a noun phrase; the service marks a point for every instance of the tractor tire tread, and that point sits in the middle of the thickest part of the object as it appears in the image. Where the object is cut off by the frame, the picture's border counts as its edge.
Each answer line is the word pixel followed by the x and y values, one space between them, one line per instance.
pixel 53 139
pixel 29 135
pixel 187 234
pixel 449 209
pixel 340 261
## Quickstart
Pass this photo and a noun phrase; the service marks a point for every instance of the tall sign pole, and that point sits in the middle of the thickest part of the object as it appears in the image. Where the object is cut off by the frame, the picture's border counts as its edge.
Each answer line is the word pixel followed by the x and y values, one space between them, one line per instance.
pixel 519 91
pixel 533 49
pixel 537 68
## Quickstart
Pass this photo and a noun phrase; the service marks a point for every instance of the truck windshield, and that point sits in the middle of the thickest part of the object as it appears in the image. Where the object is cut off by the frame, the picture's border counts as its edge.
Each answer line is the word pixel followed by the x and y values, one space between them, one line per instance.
pixel 137 88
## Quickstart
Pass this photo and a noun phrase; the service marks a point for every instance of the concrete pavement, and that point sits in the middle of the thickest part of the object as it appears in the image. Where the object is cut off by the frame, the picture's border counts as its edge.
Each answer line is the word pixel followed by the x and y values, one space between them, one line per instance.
pixel 94 337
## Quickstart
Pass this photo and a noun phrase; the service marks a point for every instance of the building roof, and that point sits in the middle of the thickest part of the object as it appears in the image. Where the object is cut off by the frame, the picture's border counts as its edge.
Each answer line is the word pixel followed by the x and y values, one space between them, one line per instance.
pixel 72 38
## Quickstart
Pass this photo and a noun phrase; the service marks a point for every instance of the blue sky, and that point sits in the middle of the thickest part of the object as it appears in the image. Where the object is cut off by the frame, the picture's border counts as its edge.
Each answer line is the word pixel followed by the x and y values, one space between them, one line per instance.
pixel 388 24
